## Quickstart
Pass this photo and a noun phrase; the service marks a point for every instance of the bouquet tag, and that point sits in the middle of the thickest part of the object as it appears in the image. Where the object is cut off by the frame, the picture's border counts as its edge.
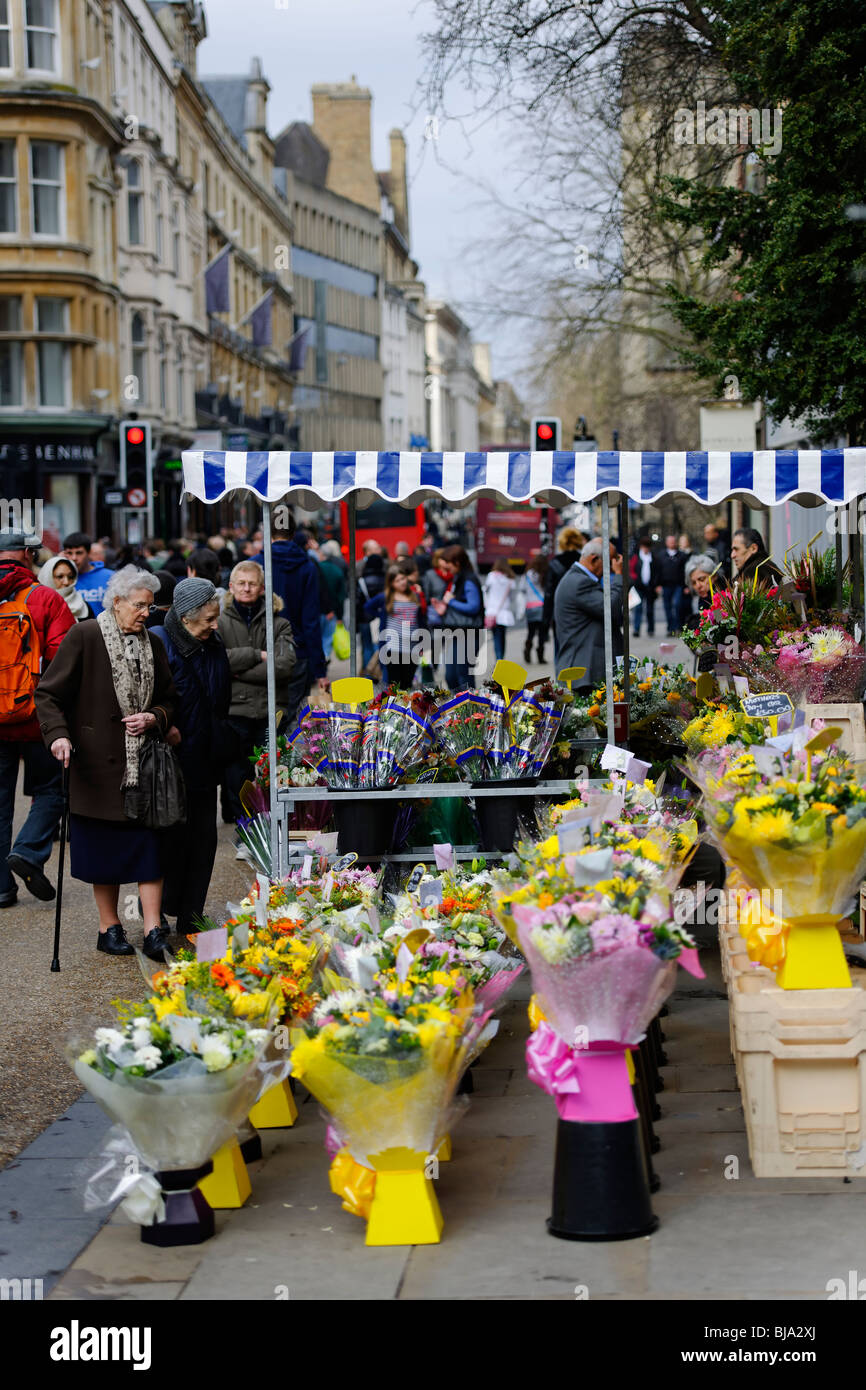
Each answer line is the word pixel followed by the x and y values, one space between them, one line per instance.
pixel 373 918
pixel 723 677
pixel 573 834
pixel 637 770
pixel 241 936
pixel 615 759
pixel 327 887
pixel 858 633
pixel 403 963
pixel 307 868
pixel 444 856
pixel 766 761
pixel 781 741
pixel 589 868
pixel 262 901
pixel 211 945
pixel 430 894
pixel 741 686
pixel 345 862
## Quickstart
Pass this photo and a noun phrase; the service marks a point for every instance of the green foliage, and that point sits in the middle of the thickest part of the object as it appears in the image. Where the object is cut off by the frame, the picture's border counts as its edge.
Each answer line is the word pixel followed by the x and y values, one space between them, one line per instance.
pixel 788 317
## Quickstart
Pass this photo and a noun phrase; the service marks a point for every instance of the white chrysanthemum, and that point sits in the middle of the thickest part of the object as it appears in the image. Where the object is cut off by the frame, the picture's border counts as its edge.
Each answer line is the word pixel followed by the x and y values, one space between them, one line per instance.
pixel 109 1037
pixel 827 642
pixel 257 1036
pixel 553 943
pixel 291 911
pixel 342 1001
pixel 148 1057
pixel 216 1052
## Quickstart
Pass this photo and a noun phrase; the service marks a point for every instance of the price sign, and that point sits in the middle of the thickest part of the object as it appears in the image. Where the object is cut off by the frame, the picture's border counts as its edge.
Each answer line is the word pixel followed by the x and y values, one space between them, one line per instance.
pixel 415 878
pixel 615 759
pixel 708 660
pixel 767 705
pixel 345 862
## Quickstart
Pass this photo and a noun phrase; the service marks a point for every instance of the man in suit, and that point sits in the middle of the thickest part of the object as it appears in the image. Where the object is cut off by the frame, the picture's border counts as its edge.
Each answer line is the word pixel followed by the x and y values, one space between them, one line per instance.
pixel 579 613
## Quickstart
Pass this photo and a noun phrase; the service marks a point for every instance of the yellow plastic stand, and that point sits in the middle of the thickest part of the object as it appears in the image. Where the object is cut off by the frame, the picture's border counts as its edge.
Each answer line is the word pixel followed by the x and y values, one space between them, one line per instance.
pixel 352 691
pixel 276 1109
pixel 568 674
pixel 443 1153
pixel 629 1062
pixel 814 958
pixel 404 1210
pixel 229 1183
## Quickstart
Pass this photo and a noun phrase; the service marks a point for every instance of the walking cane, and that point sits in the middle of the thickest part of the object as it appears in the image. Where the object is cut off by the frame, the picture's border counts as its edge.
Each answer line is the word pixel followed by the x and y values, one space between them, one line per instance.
pixel 64 820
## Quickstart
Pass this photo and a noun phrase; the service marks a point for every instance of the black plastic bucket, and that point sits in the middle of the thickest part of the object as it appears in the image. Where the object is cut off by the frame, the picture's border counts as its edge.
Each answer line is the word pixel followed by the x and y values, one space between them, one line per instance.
pixel 600 1182
pixel 365 826
pixel 498 816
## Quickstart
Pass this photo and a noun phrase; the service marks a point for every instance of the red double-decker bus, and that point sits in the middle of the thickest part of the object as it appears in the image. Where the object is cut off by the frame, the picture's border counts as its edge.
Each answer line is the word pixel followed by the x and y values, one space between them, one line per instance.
pixel 385 522
pixel 512 530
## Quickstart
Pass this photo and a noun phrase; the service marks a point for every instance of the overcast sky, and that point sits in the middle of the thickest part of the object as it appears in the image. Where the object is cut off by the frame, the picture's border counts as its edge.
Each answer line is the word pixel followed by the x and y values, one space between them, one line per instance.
pixel 377 41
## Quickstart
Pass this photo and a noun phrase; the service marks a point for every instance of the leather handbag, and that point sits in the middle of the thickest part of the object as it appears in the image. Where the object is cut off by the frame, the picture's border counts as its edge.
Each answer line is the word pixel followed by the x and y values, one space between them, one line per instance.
pixel 159 800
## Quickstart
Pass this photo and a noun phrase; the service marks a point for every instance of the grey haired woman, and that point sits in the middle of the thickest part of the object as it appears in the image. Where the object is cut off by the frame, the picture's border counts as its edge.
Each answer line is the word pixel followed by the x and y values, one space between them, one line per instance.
pixel 109 683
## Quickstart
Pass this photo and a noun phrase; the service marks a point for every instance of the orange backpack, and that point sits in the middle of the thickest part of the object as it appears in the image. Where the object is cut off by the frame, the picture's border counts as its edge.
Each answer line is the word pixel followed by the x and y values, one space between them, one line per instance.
pixel 19 659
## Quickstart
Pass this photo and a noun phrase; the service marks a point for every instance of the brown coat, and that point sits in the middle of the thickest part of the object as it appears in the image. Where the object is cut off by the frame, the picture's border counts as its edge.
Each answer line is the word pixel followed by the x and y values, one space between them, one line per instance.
pixel 76 700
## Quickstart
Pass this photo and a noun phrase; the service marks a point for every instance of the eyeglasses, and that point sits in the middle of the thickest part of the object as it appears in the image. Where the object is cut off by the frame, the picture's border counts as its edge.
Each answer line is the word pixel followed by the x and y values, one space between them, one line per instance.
pixel 139 607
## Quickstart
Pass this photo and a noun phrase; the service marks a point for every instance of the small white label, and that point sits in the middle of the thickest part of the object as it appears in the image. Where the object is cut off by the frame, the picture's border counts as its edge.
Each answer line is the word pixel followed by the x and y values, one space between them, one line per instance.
pixel 430 893
pixel 574 834
pixel 614 758
pixel 637 770
pixel 262 901
pixel 307 867
pixel 741 686
pixel 327 887
pixel 212 945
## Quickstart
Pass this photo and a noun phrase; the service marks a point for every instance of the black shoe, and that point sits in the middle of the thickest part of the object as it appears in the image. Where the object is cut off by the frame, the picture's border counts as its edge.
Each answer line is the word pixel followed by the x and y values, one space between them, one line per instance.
pixel 154 944
pixel 9 899
pixel 33 877
pixel 113 942
pixel 527 653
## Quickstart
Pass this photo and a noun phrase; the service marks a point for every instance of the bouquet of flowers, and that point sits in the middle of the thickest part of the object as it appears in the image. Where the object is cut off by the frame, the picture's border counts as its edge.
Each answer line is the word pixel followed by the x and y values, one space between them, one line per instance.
pixel 748 611
pixel 659 698
pixel 460 726
pixel 819 665
pixel 795 821
pixel 180 1084
pixel 405 735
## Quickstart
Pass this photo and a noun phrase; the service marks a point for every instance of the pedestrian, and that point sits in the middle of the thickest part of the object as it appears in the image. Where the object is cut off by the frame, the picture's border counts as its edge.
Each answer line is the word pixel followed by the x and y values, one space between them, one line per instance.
pixel 433 584
pixel 204 563
pixel 253 544
pixel 750 556
pixel 203 685
pixel 498 613
pixel 93 577
pixel 703 577
pixel 687 597
pixel 371 583
pixel 243 629
pixel 110 683
pixel 398 609
pixel 334 577
pixel 296 580
pixel 716 544
pixel 644 574
pixel 579 609
pixel 570 542
pixel 34 620
pixel 60 573
pixel 176 562
pixel 460 613
pixel 534 581
pixel 671 572
pixel 162 598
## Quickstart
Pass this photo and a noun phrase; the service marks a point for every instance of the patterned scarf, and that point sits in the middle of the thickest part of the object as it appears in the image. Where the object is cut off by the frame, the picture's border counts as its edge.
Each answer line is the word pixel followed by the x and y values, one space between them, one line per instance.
pixel 131 660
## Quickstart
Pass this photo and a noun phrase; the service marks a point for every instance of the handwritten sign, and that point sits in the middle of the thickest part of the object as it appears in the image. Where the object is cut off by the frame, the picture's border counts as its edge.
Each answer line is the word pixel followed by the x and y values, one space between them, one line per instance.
pixel 708 660
pixel 415 878
pixel 345 862
pixel 767 705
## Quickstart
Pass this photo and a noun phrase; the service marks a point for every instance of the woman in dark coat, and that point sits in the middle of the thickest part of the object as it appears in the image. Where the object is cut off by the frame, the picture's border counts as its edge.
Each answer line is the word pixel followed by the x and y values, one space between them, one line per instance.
pixel 203 683
pixel 108 684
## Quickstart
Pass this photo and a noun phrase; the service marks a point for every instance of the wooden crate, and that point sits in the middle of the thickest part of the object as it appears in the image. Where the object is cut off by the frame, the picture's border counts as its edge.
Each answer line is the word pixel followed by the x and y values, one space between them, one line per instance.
pixel 849 718
pixel 800 1057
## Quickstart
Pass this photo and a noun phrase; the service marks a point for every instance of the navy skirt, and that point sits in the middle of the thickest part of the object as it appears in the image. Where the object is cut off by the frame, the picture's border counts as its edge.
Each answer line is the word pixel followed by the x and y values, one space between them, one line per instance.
pixel 110 851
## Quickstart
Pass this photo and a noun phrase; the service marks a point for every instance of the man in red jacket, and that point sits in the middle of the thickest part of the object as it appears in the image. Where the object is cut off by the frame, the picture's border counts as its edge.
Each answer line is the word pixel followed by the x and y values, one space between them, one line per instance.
pixel 22 740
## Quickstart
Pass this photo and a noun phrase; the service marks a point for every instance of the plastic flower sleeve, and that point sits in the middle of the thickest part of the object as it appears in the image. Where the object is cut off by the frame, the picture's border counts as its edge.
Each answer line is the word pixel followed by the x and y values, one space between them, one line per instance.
pixel 459 726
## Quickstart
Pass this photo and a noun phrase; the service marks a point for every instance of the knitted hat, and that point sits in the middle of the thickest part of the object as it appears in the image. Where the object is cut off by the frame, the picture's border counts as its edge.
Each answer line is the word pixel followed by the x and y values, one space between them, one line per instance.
pixel 192 593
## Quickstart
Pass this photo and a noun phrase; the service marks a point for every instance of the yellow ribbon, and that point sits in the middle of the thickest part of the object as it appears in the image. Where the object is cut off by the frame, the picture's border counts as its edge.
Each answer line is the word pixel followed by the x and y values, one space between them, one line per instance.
pixel 354 1183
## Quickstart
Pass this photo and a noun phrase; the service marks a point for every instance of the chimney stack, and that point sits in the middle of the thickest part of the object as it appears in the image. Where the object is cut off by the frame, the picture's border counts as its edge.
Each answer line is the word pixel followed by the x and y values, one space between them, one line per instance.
pixel 341 119
pixel 399 184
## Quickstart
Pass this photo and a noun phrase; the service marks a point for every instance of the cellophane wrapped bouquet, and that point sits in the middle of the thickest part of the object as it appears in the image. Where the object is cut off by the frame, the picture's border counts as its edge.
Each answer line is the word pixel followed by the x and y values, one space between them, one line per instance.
pixel 385 1062
pixel 819 665
pixel 179 1082
pixel 788 820
pixel 460 727
pixel 660 698
pixel 598 931
pixel 376 747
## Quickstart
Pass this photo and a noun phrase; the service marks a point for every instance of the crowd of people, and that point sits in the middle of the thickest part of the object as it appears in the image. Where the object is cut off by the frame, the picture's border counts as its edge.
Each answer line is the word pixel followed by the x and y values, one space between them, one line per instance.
pixel 103 649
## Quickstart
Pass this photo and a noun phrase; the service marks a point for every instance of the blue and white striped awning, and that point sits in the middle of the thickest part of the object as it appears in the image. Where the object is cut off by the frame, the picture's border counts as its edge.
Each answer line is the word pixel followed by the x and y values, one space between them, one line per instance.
pixel 767 476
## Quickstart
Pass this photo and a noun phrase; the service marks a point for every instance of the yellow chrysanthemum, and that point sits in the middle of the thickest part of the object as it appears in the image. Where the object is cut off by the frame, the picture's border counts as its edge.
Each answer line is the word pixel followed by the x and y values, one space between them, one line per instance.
pixel 773 825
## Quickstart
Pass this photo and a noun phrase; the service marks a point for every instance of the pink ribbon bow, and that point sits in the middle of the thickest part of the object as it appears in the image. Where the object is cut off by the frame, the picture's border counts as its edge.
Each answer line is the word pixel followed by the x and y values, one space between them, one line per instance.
pixel 591 1086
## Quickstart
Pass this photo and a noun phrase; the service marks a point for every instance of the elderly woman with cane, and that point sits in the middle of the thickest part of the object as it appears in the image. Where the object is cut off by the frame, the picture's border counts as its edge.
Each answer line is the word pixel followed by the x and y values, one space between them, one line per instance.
pixel 203 685
pixel 108 685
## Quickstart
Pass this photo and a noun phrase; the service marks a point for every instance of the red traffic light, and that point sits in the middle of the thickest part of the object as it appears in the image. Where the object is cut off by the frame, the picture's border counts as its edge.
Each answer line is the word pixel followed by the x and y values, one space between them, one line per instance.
pixel 545 432
pixel 135 435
